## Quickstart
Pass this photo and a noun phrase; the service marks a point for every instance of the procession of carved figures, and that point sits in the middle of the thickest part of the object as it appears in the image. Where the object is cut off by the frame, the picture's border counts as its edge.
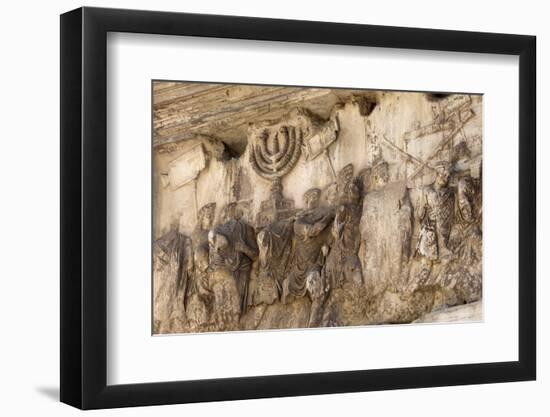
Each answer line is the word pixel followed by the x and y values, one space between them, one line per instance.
pixel 367 247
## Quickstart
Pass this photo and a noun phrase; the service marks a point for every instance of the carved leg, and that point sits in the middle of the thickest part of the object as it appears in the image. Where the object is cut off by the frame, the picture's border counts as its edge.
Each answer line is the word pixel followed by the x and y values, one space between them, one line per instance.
pixel 285 293
pixel 318 296
pixel 442 242
pixel 227 301
pixel 259 312
pixel 317 309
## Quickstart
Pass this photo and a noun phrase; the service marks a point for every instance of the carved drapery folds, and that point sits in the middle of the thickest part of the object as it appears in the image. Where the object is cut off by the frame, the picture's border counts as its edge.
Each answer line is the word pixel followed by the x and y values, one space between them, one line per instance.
pixel 275 249
pixel 172 260
pixel 385 241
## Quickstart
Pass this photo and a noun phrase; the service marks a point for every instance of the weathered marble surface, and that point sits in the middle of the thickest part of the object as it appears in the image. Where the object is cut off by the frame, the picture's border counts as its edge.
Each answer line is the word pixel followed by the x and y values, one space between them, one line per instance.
pixel 279 207
pixel 461 313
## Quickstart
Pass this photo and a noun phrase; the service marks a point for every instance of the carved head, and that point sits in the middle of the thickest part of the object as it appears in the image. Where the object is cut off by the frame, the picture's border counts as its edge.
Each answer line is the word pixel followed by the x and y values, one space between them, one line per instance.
pixel 230 212
pixel 206 216
pixel 443 174
pixel 461 151
pixel 350 194
pixel 466 193
pixel 311 198
pixel 346 173
pixel 380 175
pixel 217 242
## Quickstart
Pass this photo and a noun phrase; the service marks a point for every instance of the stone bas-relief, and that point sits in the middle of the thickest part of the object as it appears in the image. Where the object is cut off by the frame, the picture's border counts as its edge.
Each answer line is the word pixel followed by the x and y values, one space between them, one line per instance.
pixel 285 207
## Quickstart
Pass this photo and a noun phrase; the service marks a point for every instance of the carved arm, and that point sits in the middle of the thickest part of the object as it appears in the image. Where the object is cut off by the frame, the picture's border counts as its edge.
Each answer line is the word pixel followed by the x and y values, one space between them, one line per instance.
pixel 249 251
pixel 304 229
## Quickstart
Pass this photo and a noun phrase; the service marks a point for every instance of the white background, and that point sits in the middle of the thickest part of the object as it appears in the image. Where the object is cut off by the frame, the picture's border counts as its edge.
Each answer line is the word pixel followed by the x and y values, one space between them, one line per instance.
pixel 134 356
pixel 30 222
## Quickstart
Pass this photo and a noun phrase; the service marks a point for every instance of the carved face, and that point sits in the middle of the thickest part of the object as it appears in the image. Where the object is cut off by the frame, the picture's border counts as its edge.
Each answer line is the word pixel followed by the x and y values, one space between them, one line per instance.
pixel 231 211
pixel 442 177
pixel 311 199
pixel 217 242
pixel 381 176
pixel 465 197
pixel 346 174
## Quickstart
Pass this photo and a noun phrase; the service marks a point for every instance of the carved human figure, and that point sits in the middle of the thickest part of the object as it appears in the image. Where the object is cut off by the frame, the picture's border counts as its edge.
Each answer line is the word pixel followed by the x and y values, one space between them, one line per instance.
pixel 344 238
pixel 465 236
pixel 347 187
pixel 275 245
pixel 342 268
pixel 200 286
pixel 310 234
pixel 226 308
pixel 427 240
pixel 343 245
pixel 436 215
pixel 385 226
pixel 232 250
pixel 172 262
pixel 463 272
pixel 380 176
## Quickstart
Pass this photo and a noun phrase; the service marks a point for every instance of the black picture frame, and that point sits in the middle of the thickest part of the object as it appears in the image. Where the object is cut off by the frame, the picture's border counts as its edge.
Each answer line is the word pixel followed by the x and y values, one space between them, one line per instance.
pixel 84 207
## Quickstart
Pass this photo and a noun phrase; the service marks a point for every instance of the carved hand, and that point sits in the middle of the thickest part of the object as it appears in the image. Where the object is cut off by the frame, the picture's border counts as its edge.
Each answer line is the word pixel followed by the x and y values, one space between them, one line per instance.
pixel 317 228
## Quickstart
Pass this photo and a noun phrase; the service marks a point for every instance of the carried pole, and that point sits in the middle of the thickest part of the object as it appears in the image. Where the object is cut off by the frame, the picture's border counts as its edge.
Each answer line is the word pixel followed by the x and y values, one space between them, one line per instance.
pixel 196 204
pixel 325 152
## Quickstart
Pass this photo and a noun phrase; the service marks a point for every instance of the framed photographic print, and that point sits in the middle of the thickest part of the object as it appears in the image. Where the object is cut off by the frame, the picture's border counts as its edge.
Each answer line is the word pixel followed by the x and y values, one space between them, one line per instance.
pixel 258 207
